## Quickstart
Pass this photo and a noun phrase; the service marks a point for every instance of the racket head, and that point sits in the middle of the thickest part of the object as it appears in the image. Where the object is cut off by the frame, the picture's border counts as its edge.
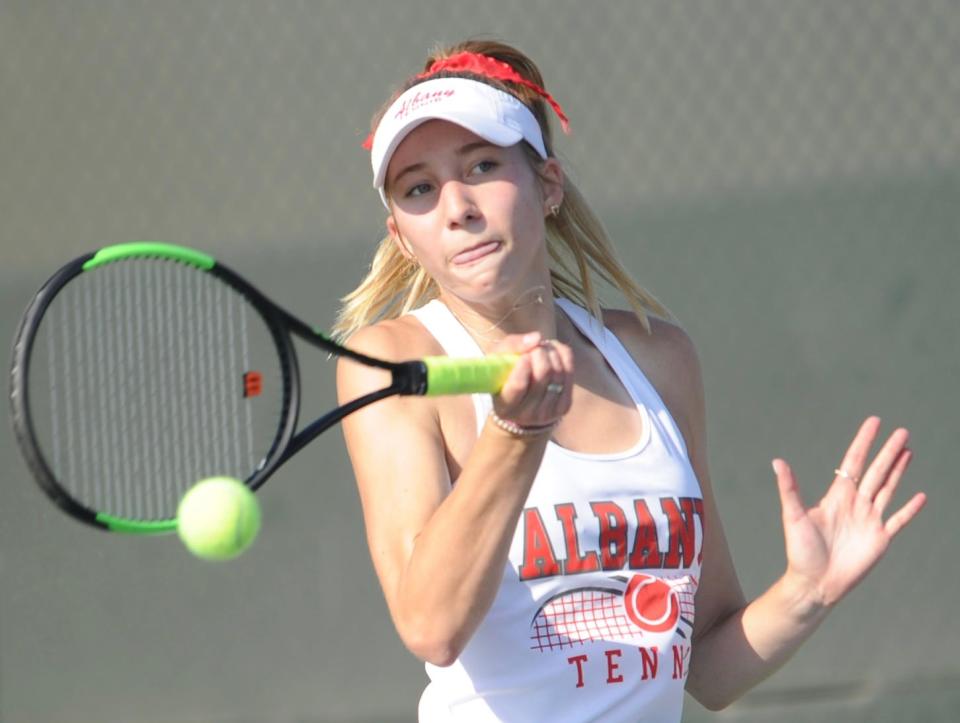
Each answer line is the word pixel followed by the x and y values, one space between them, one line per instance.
pixel 142 368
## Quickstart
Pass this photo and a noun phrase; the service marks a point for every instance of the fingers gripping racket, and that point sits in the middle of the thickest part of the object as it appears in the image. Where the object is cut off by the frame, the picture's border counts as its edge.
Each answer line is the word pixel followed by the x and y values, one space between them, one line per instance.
pixel 142 368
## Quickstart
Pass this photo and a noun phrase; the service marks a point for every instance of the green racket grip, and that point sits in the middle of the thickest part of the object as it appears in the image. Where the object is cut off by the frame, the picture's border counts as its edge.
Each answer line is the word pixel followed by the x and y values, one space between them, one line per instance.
pixel 482 375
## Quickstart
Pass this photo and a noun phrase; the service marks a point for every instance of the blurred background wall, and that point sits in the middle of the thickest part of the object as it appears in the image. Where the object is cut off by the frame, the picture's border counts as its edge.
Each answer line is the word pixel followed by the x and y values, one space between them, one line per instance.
pixel 784 175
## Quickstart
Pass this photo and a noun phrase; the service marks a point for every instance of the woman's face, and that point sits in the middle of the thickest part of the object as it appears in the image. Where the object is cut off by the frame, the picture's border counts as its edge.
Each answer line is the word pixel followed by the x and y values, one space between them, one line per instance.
pixel 471 212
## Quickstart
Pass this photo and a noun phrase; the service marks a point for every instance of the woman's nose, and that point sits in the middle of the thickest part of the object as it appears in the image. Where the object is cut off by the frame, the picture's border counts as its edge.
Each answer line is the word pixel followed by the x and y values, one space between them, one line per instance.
pixel 459 204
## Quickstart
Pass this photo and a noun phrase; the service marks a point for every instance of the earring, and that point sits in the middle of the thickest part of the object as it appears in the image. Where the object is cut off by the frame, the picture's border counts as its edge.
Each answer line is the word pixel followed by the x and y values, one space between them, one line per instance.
pixel 555 209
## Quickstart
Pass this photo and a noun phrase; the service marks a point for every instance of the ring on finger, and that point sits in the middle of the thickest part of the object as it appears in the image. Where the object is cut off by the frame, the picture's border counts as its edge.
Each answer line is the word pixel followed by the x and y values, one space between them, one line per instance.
pixel 841 472
pixel 555 388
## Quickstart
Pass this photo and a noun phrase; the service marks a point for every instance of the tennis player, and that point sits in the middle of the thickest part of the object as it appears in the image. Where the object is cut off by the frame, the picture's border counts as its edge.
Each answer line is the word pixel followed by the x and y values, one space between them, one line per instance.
pixel 554 552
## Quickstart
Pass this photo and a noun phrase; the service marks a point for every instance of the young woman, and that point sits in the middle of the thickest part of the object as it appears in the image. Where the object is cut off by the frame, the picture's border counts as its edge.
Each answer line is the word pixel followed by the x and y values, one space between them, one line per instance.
pixel 554 552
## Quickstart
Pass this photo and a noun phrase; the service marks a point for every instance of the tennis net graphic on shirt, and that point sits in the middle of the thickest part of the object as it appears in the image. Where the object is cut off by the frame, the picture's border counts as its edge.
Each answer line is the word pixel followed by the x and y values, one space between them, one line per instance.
pixel 643 605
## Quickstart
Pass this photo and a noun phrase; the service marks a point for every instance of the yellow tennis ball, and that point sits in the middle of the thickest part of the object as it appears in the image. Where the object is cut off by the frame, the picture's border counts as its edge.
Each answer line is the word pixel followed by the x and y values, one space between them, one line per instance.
pixel 218 518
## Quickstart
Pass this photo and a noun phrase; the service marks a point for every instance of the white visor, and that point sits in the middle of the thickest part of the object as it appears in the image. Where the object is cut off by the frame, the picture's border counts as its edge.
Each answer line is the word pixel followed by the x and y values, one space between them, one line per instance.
pixel 490 113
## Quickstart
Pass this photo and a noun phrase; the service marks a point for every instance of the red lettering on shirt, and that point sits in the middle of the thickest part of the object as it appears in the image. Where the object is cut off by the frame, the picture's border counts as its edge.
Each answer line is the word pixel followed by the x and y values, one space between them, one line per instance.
pixel 579 660
pixel 682 530
pixel 613 667
pixel 646 546
pixel 539 559
pixel 651 660
pixel 575 563
pixel 613 534
pixel 680 655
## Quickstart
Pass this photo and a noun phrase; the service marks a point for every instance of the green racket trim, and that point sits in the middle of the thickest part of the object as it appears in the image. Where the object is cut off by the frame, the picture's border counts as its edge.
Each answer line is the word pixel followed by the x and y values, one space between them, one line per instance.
pixel 152 249
pixel 486 375
pixel 135 527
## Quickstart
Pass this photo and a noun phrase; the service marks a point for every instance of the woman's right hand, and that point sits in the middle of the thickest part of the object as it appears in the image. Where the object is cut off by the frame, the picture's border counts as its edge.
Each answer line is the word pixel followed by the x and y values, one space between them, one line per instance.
pixel 539 389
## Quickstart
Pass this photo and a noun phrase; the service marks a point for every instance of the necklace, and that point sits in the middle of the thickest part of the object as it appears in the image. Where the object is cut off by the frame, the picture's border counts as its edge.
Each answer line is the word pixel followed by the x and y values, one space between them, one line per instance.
pixel 533 295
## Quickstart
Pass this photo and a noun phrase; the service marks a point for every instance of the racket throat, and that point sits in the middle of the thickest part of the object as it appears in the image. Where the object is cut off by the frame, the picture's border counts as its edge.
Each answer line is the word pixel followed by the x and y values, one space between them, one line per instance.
pixel 410 378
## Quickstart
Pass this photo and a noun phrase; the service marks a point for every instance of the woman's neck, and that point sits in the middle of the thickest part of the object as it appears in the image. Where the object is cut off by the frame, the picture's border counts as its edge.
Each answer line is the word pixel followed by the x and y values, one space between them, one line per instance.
pixel 529 310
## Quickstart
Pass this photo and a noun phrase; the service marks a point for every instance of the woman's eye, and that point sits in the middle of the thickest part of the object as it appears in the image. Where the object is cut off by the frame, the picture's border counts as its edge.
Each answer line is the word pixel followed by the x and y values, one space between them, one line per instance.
pixel 418 190
pixel 484 166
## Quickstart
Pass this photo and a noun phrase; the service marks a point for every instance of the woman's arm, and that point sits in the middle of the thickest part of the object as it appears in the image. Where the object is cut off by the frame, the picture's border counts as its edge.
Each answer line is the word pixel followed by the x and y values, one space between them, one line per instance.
pixel 830 547
pixel 735 645
pixel 439 551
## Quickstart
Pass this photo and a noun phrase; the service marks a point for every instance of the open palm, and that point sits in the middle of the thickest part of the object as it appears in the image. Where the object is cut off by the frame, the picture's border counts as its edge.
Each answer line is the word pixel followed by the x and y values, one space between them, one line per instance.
pixel 832 546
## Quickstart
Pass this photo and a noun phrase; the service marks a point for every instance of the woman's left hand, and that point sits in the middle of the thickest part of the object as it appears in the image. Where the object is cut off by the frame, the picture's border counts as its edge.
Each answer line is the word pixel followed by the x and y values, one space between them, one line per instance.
pixel 832 546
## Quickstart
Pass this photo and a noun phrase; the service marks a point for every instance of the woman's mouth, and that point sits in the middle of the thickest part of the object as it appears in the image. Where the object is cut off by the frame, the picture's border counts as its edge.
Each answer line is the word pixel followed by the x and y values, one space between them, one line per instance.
pixel 475 252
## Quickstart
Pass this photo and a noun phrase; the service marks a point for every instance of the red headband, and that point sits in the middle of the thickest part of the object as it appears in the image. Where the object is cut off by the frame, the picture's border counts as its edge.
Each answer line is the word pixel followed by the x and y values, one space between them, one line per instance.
pixel 488 67
pixel 484 65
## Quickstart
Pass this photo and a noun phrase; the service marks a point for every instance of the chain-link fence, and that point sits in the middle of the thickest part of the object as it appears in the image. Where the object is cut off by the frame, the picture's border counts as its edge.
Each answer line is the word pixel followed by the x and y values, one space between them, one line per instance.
pixel 241 122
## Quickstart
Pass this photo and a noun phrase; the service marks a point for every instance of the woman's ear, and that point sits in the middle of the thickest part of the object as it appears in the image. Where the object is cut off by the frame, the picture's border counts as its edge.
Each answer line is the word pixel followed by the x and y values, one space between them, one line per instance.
pixel 401 243
pixel 551 176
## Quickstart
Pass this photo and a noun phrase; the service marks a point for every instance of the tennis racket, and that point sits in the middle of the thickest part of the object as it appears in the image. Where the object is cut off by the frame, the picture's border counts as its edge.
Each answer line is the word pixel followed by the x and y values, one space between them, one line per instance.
pixel 143 368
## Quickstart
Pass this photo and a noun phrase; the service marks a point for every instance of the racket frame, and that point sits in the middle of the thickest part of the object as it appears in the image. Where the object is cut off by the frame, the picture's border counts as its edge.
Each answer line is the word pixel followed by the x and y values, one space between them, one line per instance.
pixel 407 378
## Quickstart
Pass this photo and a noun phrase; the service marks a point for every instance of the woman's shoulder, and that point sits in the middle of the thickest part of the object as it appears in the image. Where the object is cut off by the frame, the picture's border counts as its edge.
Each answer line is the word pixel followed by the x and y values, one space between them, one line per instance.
pixel 395 339
pixel 665 343
pixel 668 358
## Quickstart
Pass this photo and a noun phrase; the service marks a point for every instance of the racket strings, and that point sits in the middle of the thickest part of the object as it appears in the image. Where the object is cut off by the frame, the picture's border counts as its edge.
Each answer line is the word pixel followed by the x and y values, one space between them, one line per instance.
pixel 142 391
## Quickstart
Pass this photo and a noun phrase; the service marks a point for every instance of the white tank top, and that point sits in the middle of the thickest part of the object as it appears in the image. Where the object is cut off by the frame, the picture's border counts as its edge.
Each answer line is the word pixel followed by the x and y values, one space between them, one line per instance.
pixel 594 615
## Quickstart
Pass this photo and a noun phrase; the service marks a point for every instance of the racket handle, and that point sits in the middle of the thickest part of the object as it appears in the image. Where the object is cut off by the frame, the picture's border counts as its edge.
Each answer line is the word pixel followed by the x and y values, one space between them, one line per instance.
pixel 482 375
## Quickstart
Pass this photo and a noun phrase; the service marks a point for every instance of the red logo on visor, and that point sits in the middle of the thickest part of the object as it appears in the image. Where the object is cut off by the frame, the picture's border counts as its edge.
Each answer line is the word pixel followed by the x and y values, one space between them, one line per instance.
pixel 418 100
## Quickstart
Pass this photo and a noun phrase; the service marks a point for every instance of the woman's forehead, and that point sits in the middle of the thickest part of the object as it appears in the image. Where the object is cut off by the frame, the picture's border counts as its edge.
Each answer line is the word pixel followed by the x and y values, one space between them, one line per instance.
pixel 431 136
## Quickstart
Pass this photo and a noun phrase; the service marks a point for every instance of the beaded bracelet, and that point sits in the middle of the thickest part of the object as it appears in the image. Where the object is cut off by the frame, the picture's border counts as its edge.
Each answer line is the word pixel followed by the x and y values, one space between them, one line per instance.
pixel 518 430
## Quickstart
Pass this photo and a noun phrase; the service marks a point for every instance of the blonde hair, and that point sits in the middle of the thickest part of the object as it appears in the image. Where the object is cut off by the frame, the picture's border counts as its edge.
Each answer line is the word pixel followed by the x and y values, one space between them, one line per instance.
pixel 576 241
